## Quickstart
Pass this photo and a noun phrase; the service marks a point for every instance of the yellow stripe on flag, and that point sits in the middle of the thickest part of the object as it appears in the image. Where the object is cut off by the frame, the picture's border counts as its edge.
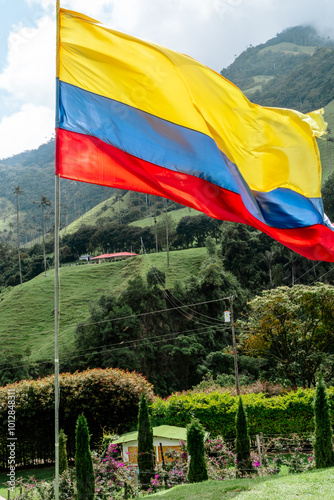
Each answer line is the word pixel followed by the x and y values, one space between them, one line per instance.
pixel 272 147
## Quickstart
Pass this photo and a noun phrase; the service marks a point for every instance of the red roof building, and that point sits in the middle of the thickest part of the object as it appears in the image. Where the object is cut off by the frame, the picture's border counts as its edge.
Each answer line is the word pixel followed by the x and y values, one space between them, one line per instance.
pixel 119 255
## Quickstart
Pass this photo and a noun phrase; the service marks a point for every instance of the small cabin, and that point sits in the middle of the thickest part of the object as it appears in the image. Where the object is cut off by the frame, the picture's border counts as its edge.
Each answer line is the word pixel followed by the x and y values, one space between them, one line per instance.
pixel 86 257
pixel 169 436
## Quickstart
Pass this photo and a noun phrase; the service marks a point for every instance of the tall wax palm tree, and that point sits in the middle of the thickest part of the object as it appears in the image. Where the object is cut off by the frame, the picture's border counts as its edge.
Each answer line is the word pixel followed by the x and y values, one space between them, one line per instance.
pixel 44 203
pixel 17 191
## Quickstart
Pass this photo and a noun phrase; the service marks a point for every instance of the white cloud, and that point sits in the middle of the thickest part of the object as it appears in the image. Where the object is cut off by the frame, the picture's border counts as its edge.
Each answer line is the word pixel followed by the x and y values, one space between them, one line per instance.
pixel 28 88
pixel 26 129
pixel 29 75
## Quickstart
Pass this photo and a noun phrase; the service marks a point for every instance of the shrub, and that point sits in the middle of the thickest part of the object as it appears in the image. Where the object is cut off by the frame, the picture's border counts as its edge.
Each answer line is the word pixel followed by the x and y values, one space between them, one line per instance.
pixel 285 414
pixel 63 464
pixel 242 442
pixel 84 473
pixel 195 445
pixel 146 460
pixel 108 398
pixel 323 444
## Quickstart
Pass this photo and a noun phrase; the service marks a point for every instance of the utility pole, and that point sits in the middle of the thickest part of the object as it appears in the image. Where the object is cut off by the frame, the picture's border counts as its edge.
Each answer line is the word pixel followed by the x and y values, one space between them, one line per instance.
pixel 236 371
pixel 156 233
pixel 167 242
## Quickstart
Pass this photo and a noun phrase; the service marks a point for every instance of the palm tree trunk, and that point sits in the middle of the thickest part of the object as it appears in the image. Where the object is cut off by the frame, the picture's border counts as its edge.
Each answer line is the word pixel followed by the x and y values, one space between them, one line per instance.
pixel 43 237
pixel 18 236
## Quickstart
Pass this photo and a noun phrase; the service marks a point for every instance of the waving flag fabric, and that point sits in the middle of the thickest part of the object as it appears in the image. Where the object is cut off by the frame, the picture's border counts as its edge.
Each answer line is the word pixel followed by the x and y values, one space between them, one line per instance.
pixel 135 115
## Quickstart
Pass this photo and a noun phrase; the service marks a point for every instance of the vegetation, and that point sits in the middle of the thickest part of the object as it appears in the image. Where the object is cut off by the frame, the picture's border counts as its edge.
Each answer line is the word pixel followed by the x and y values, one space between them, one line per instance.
pixel 299 64
pixel 242 442
pixel 292 329
pixel 146 453
pixel 287 413
pixel 63 462
pixel 310 486
pixel 84 473
pixel 323 440
pixel 197 471
pixel 92 392
pixel 159 337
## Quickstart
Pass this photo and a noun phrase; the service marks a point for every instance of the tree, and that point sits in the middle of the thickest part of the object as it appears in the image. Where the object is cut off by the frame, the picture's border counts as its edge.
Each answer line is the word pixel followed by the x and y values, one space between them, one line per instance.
pixel 195 446
pixel 323 439
pixel 293 329
pixel 63 463
pixel 83 462
pixel 146 456
pixel 243 250
pixel 44 203
pixel 242 442
pixel 18 192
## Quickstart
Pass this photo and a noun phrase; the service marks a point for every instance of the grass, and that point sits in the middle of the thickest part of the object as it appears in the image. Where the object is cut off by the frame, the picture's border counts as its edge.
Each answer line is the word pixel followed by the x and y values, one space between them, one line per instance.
pixel 327 150
pixel 26 311
pixel 289 48
pixel 176 215
pixel 315 485
pixel 258 81
pixel 46 473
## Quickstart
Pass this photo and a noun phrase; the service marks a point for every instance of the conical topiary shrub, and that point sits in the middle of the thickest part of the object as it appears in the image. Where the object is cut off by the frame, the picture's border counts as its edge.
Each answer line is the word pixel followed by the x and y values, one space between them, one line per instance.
pixel 146 455
pixel 242 442
pixel 195 446
pixel 323 435
pixel 84 473
pixel 63 463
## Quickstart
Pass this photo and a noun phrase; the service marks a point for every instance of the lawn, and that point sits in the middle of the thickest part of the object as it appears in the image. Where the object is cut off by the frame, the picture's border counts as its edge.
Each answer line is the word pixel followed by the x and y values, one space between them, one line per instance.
pixel 315 485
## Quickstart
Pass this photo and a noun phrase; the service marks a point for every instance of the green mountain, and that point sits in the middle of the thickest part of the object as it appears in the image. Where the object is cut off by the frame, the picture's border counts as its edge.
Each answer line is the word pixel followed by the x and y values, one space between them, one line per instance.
pixel 293 70
pixel 33 171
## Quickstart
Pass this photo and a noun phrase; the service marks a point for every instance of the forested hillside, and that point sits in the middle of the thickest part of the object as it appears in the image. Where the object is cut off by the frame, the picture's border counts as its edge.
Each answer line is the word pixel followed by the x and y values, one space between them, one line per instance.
pixel 34 171
pixel 293 70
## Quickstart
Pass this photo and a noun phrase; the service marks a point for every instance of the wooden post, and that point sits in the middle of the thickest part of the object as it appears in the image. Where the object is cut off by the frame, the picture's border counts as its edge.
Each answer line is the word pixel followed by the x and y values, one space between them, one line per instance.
pixel 259 448
pixel 163 465
pixel 125 490
pixel 136 482
pixel 162 455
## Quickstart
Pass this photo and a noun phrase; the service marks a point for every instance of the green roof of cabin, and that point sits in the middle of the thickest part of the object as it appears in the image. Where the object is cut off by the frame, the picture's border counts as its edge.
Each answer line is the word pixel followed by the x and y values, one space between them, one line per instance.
pixel 163 431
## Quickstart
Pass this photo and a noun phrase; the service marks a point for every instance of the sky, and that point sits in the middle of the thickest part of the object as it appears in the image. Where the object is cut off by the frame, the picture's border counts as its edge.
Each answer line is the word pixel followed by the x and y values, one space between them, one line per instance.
pixel 211 31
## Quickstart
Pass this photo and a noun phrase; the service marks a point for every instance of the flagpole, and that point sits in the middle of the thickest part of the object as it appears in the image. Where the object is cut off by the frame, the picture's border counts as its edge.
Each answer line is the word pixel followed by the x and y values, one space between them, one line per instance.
pixel 56 287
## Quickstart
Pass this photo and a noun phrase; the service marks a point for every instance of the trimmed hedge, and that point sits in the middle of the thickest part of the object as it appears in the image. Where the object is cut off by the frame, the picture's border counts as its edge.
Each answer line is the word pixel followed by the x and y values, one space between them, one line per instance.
pixel 108 398
pixel 285 414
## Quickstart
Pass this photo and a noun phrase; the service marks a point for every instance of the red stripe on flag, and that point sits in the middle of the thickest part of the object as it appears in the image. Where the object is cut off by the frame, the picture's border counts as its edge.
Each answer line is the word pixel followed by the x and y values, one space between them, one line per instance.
pixel 88 159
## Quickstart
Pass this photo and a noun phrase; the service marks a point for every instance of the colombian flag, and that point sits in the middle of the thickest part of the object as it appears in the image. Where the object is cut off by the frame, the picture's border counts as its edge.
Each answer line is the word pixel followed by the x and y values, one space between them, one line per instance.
pixel 135 115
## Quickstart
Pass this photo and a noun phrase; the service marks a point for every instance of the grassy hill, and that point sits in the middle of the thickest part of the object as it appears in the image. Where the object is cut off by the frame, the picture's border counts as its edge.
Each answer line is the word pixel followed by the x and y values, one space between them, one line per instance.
pixel 26 312
pixel 176 215
pixel 326 147
pixel 315 485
